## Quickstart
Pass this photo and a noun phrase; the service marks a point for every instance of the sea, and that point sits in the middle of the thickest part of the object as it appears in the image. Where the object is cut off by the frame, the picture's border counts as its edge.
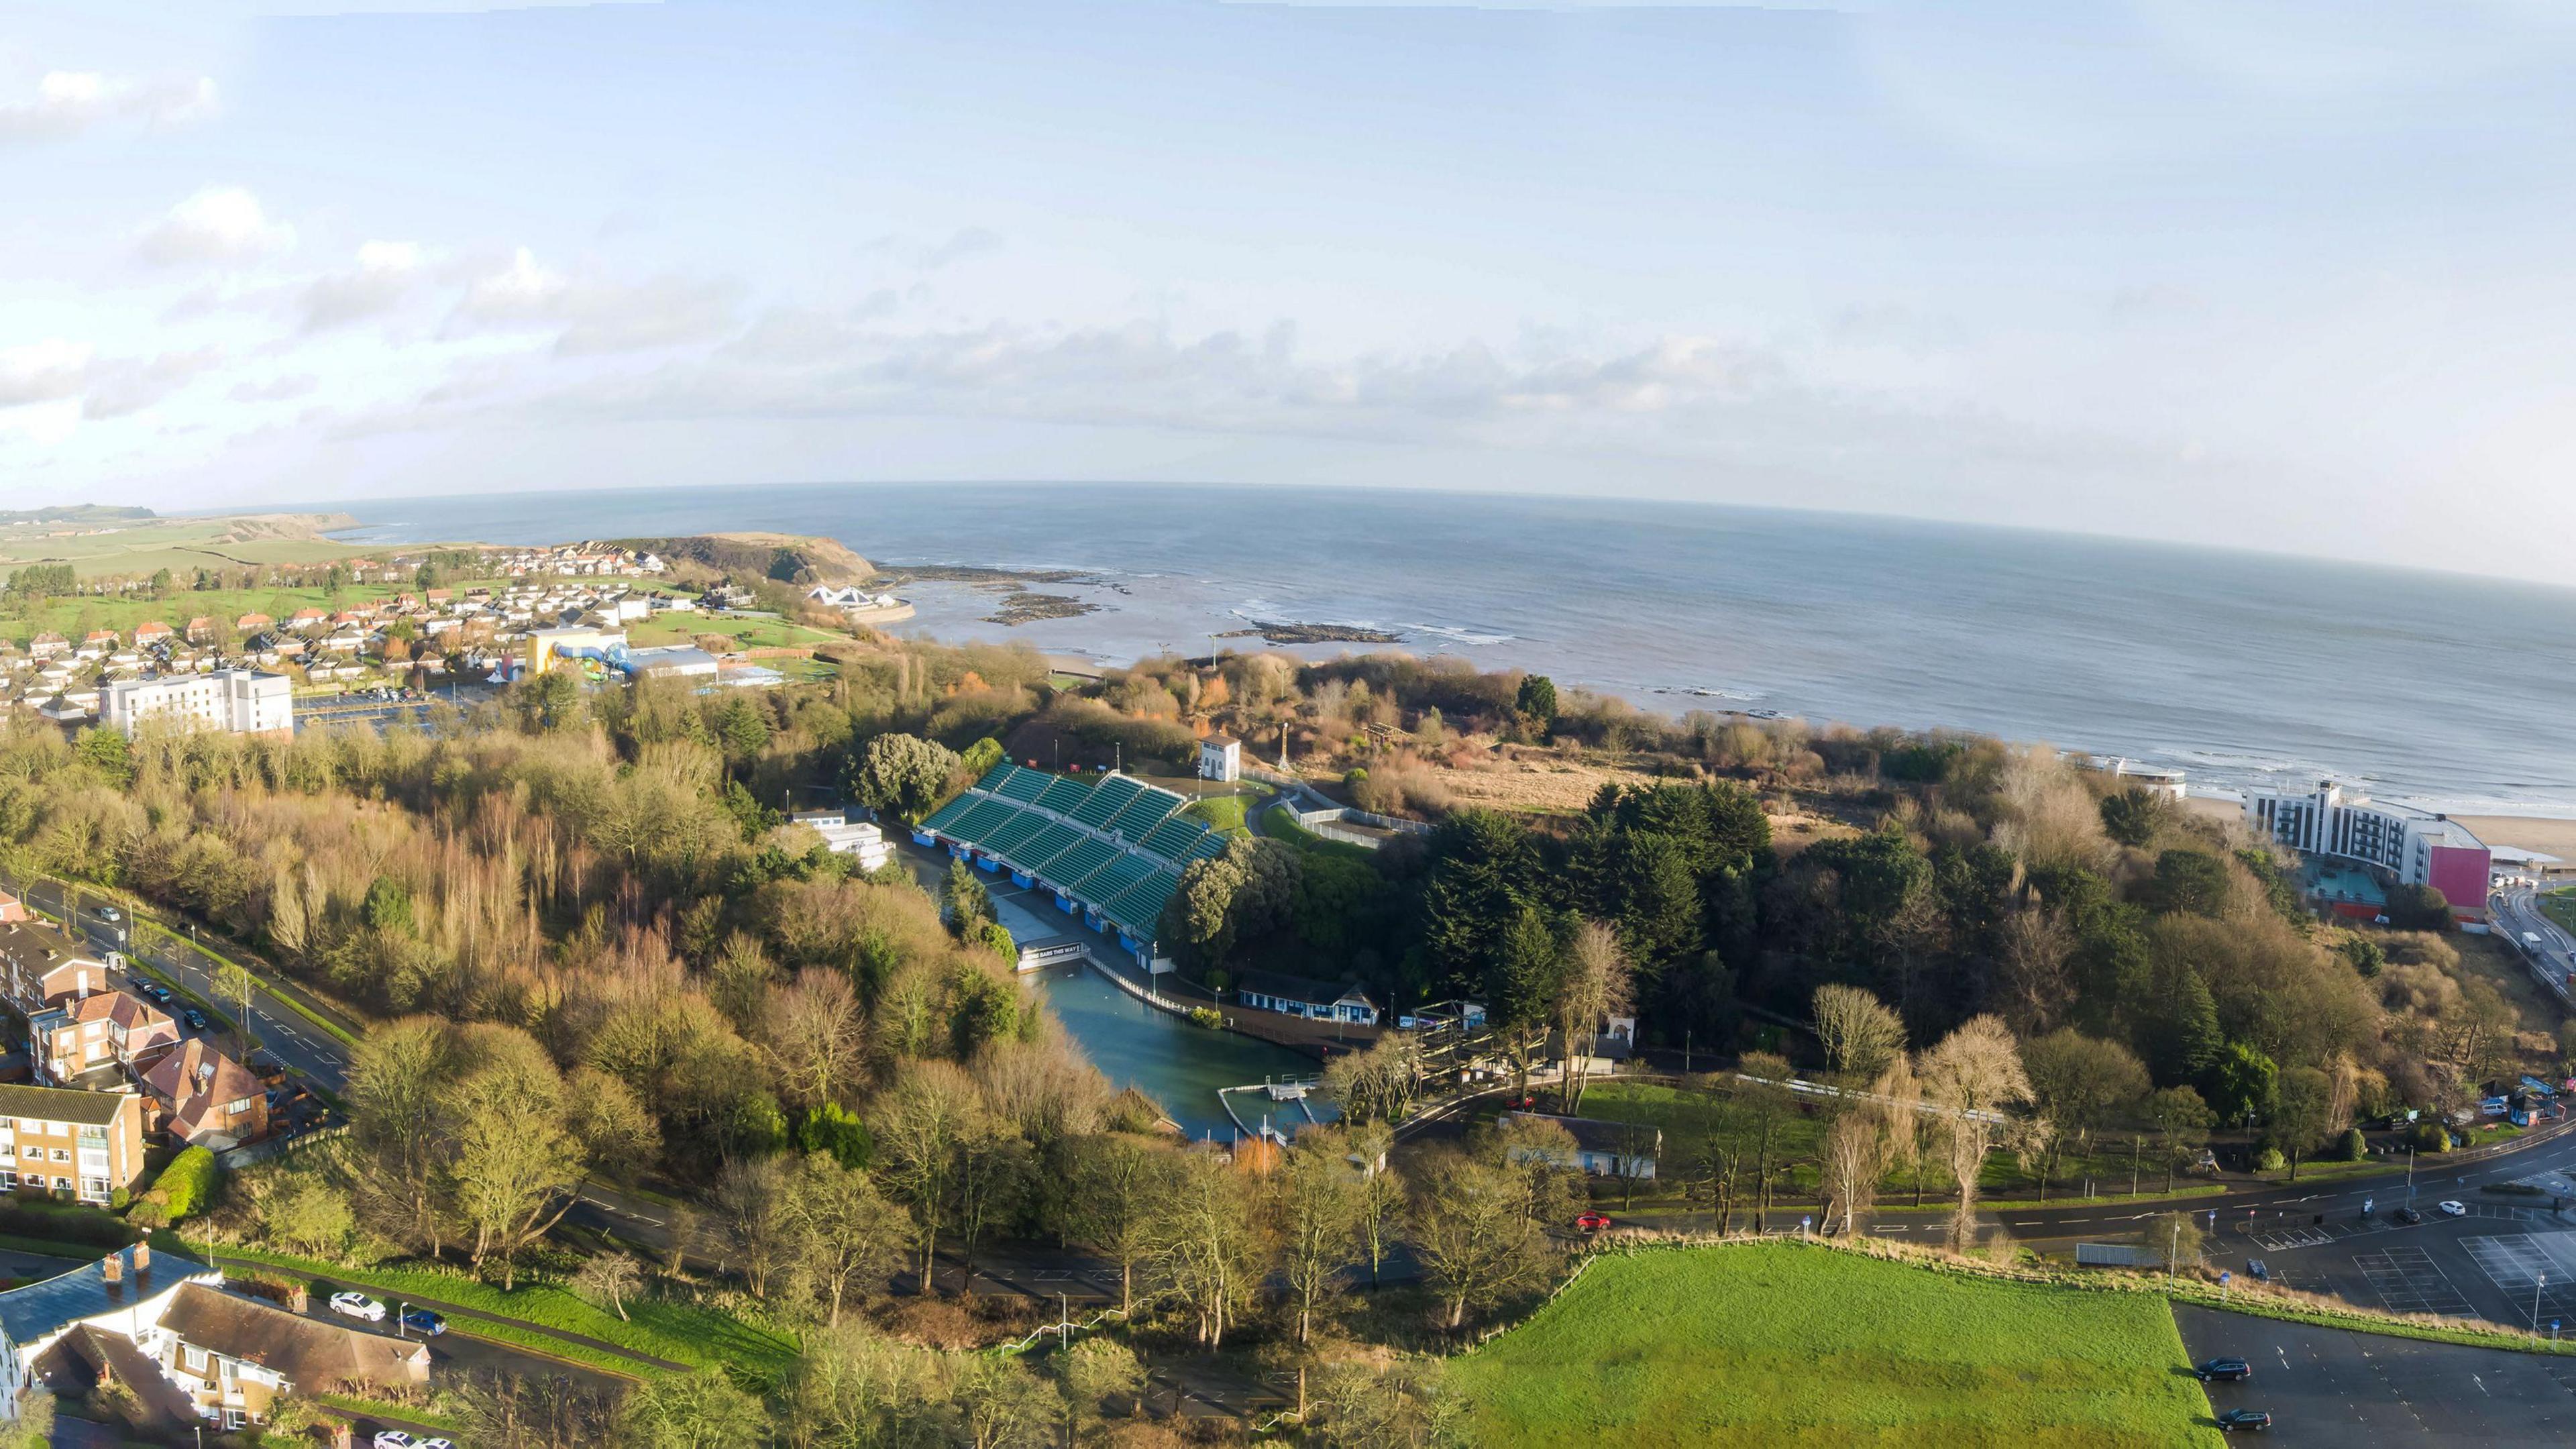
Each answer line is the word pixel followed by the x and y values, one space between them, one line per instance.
pixel 2244 669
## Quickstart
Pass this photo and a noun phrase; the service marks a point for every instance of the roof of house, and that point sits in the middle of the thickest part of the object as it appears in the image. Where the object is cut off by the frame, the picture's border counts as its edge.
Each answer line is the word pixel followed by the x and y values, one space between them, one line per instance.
pixel 59 1104
pixel 196 1079
pixel 1220 742
pixel 131 1012
pixel 1297 988
pixel 307 1351
pixel 120 1359
pixel 41 1309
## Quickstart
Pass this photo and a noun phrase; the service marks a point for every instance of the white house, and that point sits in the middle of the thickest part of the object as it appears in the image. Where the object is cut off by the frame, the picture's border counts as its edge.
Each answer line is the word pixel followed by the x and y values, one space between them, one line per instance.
pixel 1603 1149
pixel 1297 996
pixel 1220 758
pixel 860 840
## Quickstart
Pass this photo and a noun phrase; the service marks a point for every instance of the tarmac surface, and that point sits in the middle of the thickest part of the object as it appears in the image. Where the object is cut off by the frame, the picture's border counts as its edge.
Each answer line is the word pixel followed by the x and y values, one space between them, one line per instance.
pixel 2346 1390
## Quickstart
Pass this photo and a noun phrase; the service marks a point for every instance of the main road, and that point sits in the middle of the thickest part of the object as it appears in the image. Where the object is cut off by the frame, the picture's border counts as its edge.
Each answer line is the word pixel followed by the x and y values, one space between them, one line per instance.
pixel 2546 947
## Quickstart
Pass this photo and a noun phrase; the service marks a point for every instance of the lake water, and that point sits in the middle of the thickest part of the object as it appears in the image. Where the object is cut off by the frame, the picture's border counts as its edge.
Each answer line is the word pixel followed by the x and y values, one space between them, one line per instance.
pixel 2243 668
pixel 1182 1067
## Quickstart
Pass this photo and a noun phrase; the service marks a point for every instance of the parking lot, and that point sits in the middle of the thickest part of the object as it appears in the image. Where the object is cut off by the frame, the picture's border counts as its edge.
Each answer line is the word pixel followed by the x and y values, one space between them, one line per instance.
pixel 2332 1387
pixel 2504 1262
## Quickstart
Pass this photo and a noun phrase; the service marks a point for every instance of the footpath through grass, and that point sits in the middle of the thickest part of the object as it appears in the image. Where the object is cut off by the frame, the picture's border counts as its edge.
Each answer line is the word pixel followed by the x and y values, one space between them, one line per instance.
pixel 1784 1344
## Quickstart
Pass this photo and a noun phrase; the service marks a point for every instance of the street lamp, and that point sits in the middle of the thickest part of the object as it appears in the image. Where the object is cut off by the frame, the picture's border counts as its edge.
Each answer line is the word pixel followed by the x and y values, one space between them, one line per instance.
pixel 2536 1283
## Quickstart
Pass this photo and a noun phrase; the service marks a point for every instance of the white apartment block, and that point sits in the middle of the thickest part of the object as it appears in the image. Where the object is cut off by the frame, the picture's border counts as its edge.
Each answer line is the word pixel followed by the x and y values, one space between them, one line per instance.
pixel 241 701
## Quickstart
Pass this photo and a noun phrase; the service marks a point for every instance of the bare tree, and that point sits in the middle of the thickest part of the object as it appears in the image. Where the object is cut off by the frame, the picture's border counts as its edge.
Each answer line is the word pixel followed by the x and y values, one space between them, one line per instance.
pixel 1313 1211
pixel 848 1235
pixel 1858 1032
pixel 608 1281
pixel 1969 1077
pixel 2031 987
pixel 810 1032
pixel 922 1123
pixel 1209 1254
pixel 2077 1081
pixel 1597 984
pixel 1466 1228
pixel 1118 1182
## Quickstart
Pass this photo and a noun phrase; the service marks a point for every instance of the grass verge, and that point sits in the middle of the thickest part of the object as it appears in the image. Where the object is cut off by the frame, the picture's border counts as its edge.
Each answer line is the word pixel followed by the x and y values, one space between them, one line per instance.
pixel 679 1333
pixel 1788 1344
pixel 387 1409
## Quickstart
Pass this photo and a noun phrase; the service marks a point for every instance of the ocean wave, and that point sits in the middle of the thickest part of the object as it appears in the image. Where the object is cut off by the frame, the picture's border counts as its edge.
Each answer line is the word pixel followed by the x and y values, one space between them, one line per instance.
pixel 1454 632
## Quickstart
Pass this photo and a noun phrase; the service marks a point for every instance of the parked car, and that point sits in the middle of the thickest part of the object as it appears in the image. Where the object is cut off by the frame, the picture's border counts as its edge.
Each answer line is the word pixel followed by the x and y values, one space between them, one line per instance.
pixel 2261 1270
pixel 2409 1216
pixel 2494 1106
pixel 156 991
pixel 358 1305
pixel 2250 1419
pixel 2228 1370
pixel 435 1444
pixel 424 1322
pixel 2453 1209
pixel 395 1439
pixel 195 1019
pixel 1592 1222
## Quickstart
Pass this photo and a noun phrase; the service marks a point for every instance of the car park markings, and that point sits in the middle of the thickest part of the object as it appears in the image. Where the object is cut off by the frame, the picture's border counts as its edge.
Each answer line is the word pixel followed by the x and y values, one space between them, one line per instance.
pixel 2408 1281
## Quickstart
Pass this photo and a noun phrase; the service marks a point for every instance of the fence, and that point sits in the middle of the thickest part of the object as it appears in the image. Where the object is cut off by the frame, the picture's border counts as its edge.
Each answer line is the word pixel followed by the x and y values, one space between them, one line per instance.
pixel 241 1157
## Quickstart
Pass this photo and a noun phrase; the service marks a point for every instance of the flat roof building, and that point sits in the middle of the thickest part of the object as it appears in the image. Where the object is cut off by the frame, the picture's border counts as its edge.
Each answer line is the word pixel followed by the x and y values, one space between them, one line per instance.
pixel 240 701
pixel 2417 847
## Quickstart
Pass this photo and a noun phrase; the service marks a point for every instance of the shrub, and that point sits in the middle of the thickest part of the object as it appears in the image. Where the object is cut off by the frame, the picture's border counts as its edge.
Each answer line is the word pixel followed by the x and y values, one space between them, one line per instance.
pixel 2355 1146
pixel 2269 1160
pixel 2428 1137
pixel 1206 1016
pixel 187 1185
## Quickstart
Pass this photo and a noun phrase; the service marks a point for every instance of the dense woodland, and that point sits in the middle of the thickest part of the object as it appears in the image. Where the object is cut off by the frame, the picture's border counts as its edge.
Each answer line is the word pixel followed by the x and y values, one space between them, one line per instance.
pixel 598 953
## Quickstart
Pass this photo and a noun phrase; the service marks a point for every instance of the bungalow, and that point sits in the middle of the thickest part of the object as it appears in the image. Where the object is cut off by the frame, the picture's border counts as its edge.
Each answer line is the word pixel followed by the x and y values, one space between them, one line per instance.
pixel 151 631
pixel 1297 996
pixel 234 1357
pixel 1603 1149
pixel 208 1099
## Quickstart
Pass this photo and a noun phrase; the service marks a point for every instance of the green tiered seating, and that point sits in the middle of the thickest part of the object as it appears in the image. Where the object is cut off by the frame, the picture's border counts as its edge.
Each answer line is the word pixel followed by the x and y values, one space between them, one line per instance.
pixel 946 815
pixel 1150 809
pixel 1051 841
pixel 1207 847
pixel 1139 908
pixel 981 818
pixel 1063 793
pixel 994 777
pixel 1015 832
pixel 1173 837
pixel 1105 883
pixel 1107 798
pixel 1070 869
pixel 1022 785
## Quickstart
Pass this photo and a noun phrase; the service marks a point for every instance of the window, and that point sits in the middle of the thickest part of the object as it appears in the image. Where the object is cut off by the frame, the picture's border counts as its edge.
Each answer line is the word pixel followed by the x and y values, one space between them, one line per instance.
pixel 59 1129
pixel 62 1154
pixel 62 1184
pixel 194 1357
pixel 238 1106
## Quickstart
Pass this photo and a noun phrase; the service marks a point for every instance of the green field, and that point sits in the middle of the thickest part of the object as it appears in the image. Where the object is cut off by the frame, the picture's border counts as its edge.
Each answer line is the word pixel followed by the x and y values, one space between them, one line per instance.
pixel 2560 906
pixel 1783 1344
pixel 141 546
pixel 746 633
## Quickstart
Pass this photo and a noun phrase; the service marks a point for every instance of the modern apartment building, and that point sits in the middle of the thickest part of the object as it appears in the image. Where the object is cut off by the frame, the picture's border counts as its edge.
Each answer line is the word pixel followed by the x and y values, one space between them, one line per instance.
pixel 72 1144
pixel 242 701
pixel 2414 846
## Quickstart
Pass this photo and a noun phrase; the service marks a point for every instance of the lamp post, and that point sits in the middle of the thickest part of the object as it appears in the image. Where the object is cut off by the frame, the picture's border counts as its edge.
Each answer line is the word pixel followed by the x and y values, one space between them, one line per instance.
pixel 2536 1283
pixel 2173 1251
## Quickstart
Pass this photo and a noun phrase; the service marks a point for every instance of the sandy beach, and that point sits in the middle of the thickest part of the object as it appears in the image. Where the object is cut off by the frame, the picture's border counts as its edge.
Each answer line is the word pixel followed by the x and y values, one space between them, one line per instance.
pixel 2523 832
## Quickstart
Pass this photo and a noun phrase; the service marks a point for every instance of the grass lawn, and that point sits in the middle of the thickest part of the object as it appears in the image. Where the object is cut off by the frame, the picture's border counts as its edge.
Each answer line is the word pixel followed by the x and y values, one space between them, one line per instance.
pixel 1225 812
pixel 746 633
pixel 673 1331
pixel 1778 1344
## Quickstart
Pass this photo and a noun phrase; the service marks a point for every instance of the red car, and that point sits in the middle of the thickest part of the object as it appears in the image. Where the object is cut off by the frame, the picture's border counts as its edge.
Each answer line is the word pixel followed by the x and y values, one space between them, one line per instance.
pixel 1593 1222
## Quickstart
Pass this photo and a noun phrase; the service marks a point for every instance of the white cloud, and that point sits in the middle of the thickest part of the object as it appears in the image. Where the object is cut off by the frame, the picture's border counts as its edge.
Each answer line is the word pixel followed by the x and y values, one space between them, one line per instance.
pixel 117 389
pixel 974 241
pixel 69 102
pixel 594 314
pixel 218 224
pixel 385 273
pixel 42 372
pixel 276 389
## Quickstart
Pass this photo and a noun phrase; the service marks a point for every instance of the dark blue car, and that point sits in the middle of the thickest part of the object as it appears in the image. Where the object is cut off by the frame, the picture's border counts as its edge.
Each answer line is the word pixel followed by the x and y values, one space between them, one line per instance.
pixel 424 1322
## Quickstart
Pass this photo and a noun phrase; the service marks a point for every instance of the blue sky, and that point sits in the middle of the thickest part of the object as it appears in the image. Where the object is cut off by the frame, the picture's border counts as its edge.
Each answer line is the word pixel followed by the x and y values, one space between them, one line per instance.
pixel 2293 279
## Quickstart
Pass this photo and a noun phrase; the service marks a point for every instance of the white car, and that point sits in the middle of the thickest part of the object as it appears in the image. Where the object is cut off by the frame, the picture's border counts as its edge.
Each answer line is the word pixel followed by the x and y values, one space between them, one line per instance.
pixel 395 1439
pixel 359 1305
pixel 2454 1210
pixel 435 1444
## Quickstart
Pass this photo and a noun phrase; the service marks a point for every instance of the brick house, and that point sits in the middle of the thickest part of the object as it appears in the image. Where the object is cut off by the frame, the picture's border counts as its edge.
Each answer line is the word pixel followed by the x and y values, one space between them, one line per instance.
pixel 96 1040
pixel 70 1143
pixel 205 1098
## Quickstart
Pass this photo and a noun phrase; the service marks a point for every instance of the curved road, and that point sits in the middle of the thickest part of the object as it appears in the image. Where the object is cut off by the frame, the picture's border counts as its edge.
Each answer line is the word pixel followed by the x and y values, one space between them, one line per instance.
pixel 2519 918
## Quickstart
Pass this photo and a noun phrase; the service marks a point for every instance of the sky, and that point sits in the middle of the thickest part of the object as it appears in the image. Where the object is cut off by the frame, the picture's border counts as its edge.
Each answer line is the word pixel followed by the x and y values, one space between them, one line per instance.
pixel 2292 276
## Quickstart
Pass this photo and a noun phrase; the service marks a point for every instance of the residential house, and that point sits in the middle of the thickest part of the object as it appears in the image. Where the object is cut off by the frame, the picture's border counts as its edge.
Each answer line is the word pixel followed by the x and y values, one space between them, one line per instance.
pixel 70 1143
pixel 48 646
pixel 116 1300
pixel 40 967
pixel 96 1040
pixel 201 630
pixel 1297 996
pixel 207 1099
pixel 98 642
pixel 152 631
pixel 234 1357
pixel 1602 1149
pixel 305 618
pixel 13 910
pixel 253 623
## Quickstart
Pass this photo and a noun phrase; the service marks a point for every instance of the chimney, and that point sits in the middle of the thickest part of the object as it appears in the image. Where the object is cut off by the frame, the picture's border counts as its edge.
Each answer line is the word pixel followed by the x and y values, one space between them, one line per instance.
pixel 114 1265
pixel 142 1256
